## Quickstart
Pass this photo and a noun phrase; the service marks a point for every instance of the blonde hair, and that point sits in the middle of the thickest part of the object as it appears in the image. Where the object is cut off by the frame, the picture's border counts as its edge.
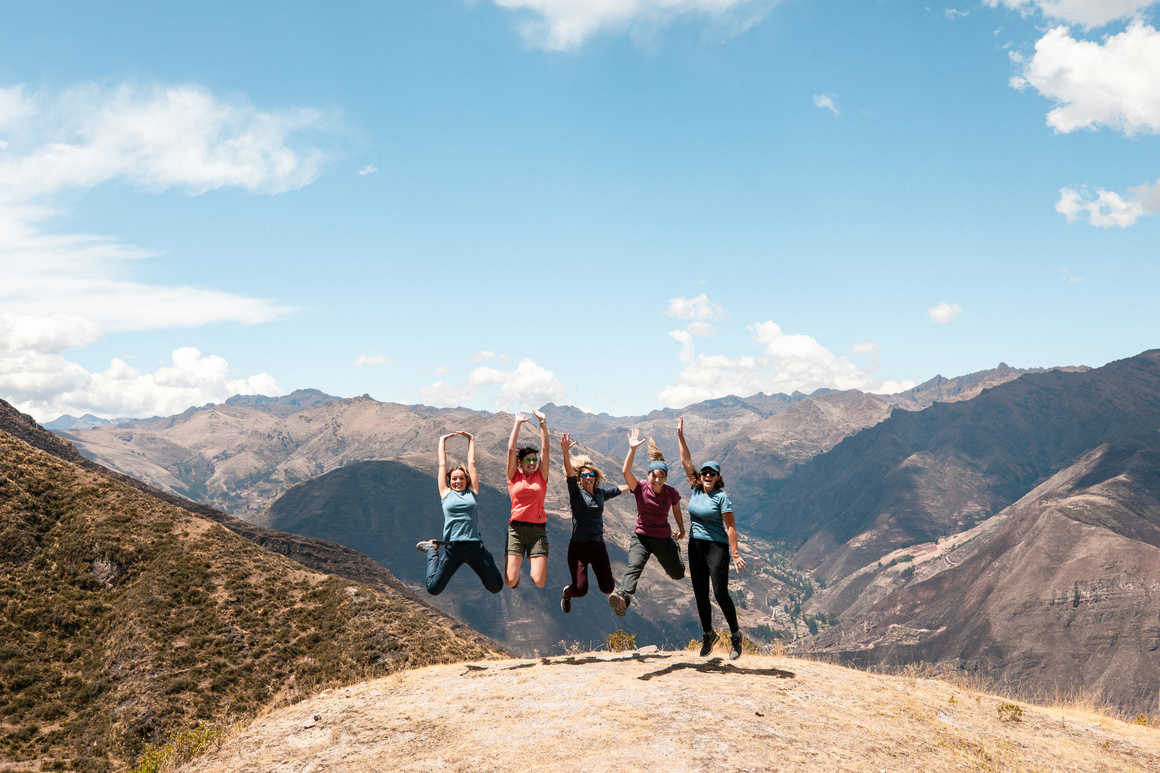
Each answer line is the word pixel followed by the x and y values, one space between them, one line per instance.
pixel 582 461
pixel 654 453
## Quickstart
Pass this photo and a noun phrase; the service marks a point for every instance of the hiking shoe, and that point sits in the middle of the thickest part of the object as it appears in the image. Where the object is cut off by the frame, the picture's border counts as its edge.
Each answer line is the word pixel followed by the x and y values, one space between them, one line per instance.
pixel 707 642
pixel 565 601
pixel 735 645
pixel 425 545
pixel 618 603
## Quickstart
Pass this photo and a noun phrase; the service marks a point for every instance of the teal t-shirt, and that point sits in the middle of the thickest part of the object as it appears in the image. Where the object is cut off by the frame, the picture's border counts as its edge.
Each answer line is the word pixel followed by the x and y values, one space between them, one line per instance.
pixel 705 512
pixel 459 517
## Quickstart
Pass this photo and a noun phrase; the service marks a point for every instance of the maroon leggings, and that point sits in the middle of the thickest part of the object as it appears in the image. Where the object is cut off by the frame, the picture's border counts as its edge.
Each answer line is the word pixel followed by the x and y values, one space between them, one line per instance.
pixel 580 555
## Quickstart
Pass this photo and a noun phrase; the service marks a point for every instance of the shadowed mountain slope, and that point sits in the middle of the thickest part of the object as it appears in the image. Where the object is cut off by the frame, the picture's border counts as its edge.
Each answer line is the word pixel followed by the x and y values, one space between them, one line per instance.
pixel 126 617
pixel 919 476
pixel 1059 591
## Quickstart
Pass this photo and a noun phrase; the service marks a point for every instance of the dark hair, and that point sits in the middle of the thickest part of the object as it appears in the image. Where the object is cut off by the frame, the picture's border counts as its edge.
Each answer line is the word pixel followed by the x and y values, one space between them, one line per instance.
pixel 695 482
pixel 466 474
pixel 525 451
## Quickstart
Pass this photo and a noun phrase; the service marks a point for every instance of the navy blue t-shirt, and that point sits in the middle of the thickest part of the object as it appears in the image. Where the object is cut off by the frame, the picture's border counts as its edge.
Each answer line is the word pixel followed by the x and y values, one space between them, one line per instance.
pixel 588 510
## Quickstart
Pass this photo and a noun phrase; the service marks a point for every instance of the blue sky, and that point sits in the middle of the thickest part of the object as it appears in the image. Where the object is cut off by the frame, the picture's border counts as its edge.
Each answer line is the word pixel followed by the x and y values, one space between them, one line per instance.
pixel 617 205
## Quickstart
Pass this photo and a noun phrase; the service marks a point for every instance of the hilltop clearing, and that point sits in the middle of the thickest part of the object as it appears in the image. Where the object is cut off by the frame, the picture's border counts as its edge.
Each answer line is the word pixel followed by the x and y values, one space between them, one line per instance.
pixel 674 711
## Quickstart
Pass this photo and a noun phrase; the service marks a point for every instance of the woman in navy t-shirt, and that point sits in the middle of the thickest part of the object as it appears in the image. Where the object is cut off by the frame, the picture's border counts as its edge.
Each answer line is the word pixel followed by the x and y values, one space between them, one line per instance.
pixel 712 540
pixel 587 493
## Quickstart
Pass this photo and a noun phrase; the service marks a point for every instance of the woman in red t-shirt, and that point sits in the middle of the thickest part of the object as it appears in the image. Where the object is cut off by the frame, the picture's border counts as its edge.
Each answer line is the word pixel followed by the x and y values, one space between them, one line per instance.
pixel 527 479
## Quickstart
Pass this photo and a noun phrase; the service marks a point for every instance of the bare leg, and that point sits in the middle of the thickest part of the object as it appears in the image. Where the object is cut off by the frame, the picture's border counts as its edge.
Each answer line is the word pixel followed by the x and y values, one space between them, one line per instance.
pixel 512 573
pixel 539 570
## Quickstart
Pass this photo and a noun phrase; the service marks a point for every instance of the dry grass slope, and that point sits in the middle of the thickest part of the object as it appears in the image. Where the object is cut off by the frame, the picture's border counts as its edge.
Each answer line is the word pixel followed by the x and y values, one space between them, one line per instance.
pixel 125 618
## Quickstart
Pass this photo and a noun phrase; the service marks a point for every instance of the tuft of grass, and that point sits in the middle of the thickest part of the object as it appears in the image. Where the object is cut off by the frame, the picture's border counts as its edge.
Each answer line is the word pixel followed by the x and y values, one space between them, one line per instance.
pixel 620 641
pixel 1010 712
pixel 182 746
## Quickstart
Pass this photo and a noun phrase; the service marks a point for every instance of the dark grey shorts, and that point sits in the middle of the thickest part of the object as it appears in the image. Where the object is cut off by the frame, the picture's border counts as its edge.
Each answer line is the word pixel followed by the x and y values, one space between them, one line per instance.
pixel 527 539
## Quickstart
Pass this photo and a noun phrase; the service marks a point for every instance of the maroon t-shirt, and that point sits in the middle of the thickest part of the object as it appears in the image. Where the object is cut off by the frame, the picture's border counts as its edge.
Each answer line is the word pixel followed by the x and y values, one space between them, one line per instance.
pixel 652 510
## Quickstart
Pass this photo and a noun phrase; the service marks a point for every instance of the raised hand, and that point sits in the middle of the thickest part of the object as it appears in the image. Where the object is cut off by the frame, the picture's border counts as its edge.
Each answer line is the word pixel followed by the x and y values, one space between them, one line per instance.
pixel 444 438
pixel 680 425
pixel 634 438
pixel 540 417
pixel 567 443
pixel 465 434
pixel 521 419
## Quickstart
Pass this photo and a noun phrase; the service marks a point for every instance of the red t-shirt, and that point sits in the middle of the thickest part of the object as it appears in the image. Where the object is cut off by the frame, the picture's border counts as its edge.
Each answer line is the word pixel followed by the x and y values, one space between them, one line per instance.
pixel 528 493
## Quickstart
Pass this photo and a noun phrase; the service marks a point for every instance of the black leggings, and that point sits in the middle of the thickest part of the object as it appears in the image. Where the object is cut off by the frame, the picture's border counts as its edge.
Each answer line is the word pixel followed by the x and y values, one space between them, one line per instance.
pixel 710 561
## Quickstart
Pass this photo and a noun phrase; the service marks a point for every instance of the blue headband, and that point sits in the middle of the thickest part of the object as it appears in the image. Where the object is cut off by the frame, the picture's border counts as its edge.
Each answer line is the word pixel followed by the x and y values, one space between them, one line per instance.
pixel 658 465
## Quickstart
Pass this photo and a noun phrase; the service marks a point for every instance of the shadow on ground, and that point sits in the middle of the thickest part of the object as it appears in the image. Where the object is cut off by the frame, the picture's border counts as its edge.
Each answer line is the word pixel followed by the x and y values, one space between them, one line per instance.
pixel 716 666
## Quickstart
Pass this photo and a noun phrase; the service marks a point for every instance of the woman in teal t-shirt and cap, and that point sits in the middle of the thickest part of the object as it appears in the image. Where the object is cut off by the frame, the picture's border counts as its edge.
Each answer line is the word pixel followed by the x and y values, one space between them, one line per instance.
pixel 712 540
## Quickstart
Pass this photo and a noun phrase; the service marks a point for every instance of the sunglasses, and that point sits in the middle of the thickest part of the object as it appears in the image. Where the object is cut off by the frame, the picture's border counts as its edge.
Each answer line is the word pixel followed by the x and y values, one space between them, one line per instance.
pixel 532 459
pixel 587 475
pixel 708 474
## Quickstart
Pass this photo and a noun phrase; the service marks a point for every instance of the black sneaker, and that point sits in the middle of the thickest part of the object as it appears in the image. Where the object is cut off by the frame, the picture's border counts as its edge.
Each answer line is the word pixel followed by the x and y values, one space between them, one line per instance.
pixel 707 642
pixel 565 602
pixel 735 645
pixel 618 603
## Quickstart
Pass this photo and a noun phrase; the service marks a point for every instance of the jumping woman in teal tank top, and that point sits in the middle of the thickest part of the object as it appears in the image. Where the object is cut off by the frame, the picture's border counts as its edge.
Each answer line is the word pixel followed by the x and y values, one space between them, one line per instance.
pixel 460 542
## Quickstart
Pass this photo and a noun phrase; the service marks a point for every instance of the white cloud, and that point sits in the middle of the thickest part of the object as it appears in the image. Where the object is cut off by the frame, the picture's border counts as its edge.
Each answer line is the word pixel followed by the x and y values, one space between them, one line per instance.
pixel 47 385
pixel 864 348
pixel 527 386
pixel 154 138
pixel 826 102
pixel 1086 13
pixel 784 363
pixel 702 329
pixel 1114 84
pixel 368 169
pixel 1105 210
pixel 483 356
pixel 366 360
pixel 560 25
pixel 699 308
pixel 954 14
pixel 944 312
pixel 3 144
pixel 1068 276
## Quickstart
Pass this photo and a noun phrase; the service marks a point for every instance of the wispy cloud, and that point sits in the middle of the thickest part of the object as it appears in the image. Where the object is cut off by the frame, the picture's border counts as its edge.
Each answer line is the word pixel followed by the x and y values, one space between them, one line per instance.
pixel 370 360
pixel 954 14
pixel 826 102
pixel 368 169
pixel 944 312
pixel 65 290
pixel 1085 13
pixel 561 25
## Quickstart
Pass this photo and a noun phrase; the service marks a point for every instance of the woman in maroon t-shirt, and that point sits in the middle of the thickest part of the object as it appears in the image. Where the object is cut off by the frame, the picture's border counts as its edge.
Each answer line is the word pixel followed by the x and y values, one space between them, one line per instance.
pixel 652 536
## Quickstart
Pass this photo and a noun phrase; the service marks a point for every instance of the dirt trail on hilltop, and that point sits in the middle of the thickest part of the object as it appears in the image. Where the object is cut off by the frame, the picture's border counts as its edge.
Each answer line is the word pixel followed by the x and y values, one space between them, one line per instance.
pixel 677 712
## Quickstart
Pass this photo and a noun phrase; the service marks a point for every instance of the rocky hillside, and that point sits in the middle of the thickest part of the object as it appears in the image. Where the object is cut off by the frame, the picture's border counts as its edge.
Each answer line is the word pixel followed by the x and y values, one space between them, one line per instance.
pixel 673 711
pixel 125 617
pixel 1058 592
pixel 922 475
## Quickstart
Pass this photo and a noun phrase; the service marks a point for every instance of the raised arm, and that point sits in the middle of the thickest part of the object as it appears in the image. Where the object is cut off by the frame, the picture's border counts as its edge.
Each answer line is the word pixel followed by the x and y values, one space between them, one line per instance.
pixel 566 446
pixel 471 469
pixel 515 436
pixel 441 476
pixel 635 441
pixel 686 457
pixel 545 442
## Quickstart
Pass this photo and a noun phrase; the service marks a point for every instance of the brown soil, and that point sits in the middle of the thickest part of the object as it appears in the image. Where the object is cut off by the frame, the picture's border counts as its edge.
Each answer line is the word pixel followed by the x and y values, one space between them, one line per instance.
pixel 676 711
